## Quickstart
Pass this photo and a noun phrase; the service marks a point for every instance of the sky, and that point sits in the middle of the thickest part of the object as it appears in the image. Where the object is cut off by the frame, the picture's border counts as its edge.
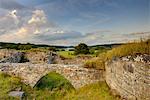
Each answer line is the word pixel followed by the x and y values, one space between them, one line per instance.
pixel 70 22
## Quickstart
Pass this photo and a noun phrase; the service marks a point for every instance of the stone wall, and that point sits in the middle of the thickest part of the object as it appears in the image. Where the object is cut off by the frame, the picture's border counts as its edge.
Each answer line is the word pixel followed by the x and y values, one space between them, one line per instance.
pixel 76 60
pixel 14 56
pixel 41 57
pixel 4 53
pixel 32 73
pixel 130 77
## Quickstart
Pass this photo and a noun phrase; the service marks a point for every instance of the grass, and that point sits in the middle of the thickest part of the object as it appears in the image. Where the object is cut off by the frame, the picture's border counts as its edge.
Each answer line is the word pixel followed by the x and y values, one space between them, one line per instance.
pixel 142 47
pixel 66 54
pixel 96 91
pixel 54 87
pixel 51 87
pixel 9 83
pixel 129 49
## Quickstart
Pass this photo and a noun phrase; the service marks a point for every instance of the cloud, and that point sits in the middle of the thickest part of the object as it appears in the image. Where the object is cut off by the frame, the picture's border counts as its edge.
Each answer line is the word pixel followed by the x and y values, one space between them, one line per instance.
pixel 37 17
pixel 9 22
pixel 34 24
pixel 15 37
pixel 59 35
pixel 10 5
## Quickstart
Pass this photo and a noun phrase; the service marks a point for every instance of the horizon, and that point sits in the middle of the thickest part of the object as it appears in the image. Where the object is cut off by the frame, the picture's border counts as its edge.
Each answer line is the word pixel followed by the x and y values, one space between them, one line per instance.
pixel 70 22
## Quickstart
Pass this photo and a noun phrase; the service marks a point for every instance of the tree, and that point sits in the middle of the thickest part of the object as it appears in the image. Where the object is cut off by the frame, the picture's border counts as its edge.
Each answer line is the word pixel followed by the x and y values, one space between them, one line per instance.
pixel 82 48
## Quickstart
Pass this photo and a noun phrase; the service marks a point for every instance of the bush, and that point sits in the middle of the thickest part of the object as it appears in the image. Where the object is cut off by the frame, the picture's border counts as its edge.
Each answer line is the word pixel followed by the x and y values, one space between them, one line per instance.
pixel 82 49
pixel 95 63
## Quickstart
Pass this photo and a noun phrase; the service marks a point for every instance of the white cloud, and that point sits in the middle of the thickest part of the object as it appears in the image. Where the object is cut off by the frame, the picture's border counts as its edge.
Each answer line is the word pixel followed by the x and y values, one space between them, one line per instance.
pixel 38 17
pixel 13 14
pixel 34 24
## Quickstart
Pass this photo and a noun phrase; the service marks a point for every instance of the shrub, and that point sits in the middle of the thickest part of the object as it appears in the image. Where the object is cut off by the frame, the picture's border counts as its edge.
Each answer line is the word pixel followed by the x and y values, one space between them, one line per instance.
pixel 82 49
pixel 95 63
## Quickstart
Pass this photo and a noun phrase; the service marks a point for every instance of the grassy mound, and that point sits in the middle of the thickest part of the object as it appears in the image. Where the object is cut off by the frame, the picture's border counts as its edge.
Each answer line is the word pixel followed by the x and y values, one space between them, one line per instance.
pixel 54 81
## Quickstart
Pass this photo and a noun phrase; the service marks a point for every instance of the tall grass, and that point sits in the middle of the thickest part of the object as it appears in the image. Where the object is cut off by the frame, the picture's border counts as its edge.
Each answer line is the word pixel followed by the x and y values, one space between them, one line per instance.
pixel 142 47
pixel 95 91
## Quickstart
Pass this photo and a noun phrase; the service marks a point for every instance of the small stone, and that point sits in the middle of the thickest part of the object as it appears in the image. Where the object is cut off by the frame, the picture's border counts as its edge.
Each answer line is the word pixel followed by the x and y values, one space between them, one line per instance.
pixel 20 94
pixel 125 59
pixel 138 58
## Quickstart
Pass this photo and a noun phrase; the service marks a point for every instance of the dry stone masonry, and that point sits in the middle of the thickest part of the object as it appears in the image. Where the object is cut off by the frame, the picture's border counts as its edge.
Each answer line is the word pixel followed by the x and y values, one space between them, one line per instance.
pixel 32 73
pixel 39 63
pixel 14 58
pixel 130 76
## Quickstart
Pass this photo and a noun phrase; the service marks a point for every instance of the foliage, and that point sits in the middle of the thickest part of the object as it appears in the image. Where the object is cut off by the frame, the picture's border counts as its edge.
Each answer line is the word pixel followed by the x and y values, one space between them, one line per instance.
pixel 23 47
pixel 98 50
pixel 95 91
pixel 81 49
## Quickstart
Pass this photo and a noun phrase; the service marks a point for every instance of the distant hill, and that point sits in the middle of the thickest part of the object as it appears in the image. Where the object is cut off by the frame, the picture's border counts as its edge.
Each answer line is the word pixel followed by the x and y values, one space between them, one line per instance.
pixel 7 45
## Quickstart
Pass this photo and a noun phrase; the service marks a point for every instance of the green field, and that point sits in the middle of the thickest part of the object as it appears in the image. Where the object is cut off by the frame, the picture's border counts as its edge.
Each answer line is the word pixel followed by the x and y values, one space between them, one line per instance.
pixel 66 54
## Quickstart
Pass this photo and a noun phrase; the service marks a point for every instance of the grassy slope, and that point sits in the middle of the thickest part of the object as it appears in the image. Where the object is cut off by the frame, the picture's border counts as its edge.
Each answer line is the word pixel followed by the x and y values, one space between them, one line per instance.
pixel 120 51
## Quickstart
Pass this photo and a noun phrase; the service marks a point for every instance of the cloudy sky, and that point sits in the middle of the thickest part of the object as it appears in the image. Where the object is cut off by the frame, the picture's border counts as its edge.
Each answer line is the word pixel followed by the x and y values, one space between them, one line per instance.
pixel 69 22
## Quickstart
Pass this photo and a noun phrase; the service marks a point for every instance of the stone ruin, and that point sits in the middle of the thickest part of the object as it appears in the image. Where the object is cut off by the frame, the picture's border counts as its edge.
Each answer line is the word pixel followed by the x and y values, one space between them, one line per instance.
pixel 12 56
pixel 130 76
pixel 32 66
